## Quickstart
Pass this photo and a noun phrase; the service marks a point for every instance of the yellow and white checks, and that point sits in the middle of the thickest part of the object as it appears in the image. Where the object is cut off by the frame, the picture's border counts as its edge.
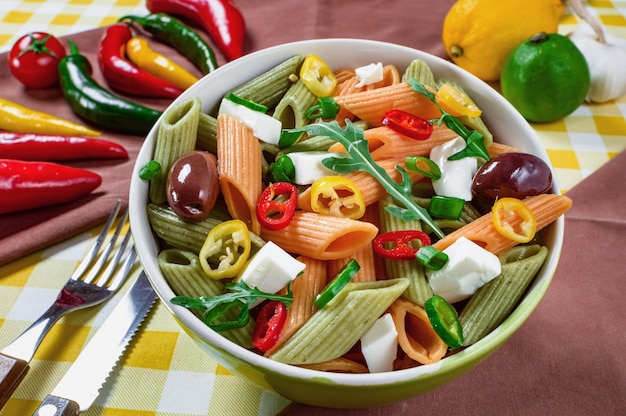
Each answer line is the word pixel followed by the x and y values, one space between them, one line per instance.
pixel 164 372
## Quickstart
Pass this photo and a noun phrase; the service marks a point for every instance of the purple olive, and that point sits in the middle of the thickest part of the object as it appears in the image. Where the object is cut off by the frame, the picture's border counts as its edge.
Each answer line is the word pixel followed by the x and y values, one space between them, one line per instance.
pixel 193 185
pixel 515 175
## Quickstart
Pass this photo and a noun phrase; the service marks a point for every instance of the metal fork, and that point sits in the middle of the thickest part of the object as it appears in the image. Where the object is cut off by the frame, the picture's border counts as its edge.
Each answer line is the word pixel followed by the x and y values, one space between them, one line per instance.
pixel 95 279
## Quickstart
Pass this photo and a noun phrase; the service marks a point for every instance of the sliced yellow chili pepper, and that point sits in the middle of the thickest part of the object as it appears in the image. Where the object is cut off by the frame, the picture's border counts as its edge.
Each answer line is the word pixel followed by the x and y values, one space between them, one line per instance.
pixel 513 219
pixel 317 76
pixel 337 196
pixel 19 119
pixel 457 101
pixel 226 250
pixel 141 54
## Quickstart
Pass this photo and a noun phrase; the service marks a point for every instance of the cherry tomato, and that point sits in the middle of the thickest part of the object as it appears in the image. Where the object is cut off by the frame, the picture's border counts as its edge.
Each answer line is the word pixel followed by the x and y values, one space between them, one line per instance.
pixel 34 58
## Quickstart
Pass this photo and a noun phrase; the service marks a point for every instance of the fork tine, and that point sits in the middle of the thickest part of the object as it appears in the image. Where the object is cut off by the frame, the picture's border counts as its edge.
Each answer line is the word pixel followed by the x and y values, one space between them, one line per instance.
pixel 104 277
pixel 95 270
pixel 124 270
pixel 95 247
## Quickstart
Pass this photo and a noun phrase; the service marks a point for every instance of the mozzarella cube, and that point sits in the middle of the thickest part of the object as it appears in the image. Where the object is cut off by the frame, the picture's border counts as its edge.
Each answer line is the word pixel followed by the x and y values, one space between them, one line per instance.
pixel 264 127
pixel 369 74
pixel 468 268
pixel 379 345
pixel 456 175
pixel 309 167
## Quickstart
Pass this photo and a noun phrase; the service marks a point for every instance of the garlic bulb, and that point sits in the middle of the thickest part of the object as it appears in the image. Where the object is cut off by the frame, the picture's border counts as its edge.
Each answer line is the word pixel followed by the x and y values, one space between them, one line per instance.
pixel 605 55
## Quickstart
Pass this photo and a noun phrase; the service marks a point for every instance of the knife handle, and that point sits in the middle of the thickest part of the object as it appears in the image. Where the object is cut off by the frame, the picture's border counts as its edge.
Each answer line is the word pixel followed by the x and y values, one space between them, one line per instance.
pixel 57 406
pixel 12 371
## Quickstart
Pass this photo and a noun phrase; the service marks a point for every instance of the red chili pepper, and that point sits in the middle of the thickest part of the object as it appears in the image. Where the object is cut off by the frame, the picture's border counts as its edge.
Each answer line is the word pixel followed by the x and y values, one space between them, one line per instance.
pixel 400 250
pixel 269 324
pixel 408 124
pixel 221 19
pixel 26 185
pixel 123 75
pixel 30 146
pixel 275 215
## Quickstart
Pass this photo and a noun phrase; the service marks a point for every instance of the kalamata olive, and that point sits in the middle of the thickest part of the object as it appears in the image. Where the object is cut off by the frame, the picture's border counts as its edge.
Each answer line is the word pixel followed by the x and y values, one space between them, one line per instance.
pixel 516 175
pixel 193 185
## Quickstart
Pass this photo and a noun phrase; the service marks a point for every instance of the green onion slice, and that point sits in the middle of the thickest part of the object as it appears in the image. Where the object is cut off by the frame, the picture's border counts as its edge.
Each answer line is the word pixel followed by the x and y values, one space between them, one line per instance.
pixel 283 170
pixel 246 103
pixel 445 321
pixel 337 284
pixel 326 109
pixel 424 166
pixel 150 170
pixel 431 258
pixel 446 207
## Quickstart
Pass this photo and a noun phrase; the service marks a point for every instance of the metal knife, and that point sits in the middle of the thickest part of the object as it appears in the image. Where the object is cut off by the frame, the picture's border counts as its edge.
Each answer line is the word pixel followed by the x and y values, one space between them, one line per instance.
pixel 80 386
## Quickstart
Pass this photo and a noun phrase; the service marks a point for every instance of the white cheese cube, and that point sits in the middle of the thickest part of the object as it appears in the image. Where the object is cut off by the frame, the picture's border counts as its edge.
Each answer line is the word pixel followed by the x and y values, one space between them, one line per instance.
pixel 369 74
pixel 469 267
pixel 264 127
pixel 379 345
pixel 309 167
pixel 456 175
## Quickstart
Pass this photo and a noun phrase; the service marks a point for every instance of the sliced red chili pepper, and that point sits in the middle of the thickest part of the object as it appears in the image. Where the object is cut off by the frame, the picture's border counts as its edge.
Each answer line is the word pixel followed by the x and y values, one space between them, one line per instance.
pixel 400 250
pixel 408 124
pixel 273 214
pixel 30 146
pixel 269 324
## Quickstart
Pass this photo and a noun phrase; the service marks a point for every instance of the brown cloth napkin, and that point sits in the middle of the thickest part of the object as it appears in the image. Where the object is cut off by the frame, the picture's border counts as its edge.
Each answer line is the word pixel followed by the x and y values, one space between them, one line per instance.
pixel 568 358
pixel 415 23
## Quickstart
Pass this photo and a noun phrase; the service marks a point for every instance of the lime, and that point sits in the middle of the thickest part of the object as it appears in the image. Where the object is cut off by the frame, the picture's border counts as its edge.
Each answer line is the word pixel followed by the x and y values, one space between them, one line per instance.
pixel 546 77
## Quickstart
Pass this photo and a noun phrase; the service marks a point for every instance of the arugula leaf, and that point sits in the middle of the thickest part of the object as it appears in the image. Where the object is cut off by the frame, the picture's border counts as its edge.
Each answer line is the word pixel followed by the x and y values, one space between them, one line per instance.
pixel 352 138
pixel 475 140
pixel 238 295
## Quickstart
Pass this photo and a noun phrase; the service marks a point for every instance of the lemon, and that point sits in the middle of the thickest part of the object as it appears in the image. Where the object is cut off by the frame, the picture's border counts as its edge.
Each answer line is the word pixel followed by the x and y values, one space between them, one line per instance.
pixel 479 34
pixel 545 77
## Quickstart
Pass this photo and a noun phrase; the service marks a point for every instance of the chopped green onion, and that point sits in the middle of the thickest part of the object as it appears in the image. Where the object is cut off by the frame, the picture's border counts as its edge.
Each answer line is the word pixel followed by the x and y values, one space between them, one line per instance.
pixel 211 317
pixel 326 109
pixel 445 321
pixel 288 138
pixel 246 103
pixel 424 166
pixel 150 170
pixel 337 284
pixel 431 258
pixel 448 207
pixel 283 170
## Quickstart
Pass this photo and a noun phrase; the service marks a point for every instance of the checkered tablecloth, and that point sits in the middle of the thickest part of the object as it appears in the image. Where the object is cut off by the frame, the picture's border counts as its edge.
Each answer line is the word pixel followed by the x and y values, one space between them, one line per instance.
pixel 164 372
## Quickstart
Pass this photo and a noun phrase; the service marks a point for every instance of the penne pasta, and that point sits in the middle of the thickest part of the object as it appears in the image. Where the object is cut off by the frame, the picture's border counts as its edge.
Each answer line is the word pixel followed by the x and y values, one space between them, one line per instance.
pixel 416 336
pixel 339 365
pixel 546 208
pixel 292 108
pixel 240 169
pixel 322 237
pixel 419 70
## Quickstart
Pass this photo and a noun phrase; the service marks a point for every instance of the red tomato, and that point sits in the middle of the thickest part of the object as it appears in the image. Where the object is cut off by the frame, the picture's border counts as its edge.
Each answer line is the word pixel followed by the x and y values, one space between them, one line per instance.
pixel 34 58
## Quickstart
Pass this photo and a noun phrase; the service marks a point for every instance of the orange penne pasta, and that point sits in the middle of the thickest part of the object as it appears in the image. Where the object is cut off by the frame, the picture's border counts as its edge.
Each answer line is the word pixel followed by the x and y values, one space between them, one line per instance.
pixel 339 365
pixel 416 336
pixel 371 105
pixel 371 189
pixel 322 237
pixel 239 167
pixel 365 257
pixel 343 75
pixel 304 288
pixel 546 208
pixel 495 149
pixel 391 76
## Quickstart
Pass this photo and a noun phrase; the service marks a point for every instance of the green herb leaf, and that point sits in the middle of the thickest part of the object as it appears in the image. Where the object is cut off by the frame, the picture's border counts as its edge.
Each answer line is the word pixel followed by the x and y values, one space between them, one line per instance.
pixel 352 138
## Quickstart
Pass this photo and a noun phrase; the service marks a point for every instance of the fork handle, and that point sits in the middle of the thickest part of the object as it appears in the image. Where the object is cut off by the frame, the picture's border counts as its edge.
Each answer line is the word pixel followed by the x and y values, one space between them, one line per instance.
pixel 12 371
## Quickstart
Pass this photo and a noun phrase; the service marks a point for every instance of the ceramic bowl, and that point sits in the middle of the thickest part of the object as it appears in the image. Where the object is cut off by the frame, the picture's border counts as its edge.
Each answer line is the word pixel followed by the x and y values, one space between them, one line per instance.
pixel 330 389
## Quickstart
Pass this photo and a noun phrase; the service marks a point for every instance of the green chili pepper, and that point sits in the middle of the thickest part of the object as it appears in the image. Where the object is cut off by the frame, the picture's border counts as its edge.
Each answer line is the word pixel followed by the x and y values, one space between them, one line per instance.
pixel 326 109
pixel 246 103
pixel 445 321
pixel 448 207
pixel 283 170
pixel 96 104
pixel 340 281
pixel 424 166
pixel 178 35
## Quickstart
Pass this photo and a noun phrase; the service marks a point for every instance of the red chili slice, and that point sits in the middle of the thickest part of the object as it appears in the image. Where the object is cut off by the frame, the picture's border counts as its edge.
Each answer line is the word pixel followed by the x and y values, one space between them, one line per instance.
pixel 408 124
pixel 275 215
pixel 269 324
pixel 401 249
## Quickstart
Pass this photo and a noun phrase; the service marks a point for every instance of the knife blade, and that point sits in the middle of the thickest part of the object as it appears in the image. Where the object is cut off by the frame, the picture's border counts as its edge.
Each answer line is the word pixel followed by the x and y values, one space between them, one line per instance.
pixel 80 386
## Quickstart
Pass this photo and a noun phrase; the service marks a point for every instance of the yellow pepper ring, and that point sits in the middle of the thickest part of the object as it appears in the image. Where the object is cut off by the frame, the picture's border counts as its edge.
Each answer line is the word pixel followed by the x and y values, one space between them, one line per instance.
pixel 226 250
pixel 514 220
pixel 318 77
pixel 337 196
pixel 457 101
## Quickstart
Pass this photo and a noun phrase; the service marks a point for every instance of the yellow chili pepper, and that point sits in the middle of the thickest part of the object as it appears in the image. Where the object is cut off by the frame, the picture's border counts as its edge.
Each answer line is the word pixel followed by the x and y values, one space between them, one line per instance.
pixel 337 196
pixel 141 54
pixel 457 101
pixel 226 250
pixel 317 76
pixel 513 219
pixel 19 119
